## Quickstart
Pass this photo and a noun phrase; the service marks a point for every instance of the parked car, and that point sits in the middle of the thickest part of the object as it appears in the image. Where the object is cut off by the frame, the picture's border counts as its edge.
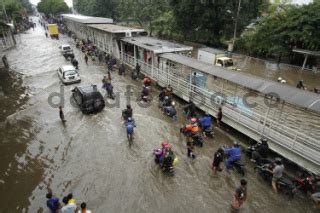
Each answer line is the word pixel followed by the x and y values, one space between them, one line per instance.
pixel 68 74
pixel 66 51
pixel 88 98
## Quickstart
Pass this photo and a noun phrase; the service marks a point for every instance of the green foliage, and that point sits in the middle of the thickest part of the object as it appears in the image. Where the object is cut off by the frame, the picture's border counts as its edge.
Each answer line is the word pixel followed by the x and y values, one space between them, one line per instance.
pixel 209 21
pixel 99 8
pixel 14 9
pixel 52 7
pixel 285 29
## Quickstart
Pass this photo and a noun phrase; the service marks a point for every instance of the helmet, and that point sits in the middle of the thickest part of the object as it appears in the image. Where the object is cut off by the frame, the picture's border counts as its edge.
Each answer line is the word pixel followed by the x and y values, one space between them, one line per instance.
pixel 279 79
pixel 263 140
pixel 236 143
pixel 165 144
pixel 173 103
pixel 129 119
pixel 166 98
pixel 278 160
pixel 283 81
pixel 193 120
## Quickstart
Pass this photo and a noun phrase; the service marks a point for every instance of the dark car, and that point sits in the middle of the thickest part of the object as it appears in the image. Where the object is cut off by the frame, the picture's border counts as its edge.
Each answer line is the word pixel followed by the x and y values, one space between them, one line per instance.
pixel 88 98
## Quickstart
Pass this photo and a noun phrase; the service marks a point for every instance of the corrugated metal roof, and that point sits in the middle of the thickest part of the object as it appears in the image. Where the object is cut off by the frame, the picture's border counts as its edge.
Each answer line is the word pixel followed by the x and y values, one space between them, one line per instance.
pixel 87 19
pixel 212 50
pixel 156 45
pixel 287 93
pixel 112 28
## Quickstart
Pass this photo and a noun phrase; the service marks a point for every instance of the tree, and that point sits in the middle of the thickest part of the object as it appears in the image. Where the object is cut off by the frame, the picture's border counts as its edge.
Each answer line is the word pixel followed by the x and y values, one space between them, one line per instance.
pixel 101 8
pixel 14 10
pixel 52 7
pixel 285 29
pixel 212 22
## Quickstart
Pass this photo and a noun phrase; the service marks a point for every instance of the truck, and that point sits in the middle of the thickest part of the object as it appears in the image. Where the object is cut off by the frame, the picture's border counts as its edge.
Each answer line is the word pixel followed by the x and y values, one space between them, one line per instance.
pixel 53 31
pixel 216 57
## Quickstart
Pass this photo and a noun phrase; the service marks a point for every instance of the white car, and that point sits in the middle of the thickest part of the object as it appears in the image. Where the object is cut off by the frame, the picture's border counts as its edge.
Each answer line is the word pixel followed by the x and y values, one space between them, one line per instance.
pixel 65 49
pixel 68 74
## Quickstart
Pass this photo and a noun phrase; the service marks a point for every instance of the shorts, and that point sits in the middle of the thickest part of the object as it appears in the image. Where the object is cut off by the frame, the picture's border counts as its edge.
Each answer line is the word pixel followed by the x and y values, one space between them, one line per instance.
pixel 275 179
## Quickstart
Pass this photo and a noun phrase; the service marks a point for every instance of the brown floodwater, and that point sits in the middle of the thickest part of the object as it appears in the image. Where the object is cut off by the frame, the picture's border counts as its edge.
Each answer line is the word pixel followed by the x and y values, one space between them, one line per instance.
pixel 89 155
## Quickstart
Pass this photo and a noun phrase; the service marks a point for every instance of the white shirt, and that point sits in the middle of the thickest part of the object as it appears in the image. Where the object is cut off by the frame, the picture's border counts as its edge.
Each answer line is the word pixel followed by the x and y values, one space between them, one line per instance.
pixel 87 211
pixel 70 208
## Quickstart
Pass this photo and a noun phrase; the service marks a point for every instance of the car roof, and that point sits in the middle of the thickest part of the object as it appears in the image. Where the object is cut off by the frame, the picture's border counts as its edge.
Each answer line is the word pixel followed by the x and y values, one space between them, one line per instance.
pixel 88 88
pixel 224 58
pixel 67 68
pixel 65 45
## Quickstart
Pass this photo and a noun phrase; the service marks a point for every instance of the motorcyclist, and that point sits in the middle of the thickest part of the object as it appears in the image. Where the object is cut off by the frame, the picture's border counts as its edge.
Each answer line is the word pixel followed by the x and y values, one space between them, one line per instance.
pixel 144 92
pixel 168 90
pixel 167 101
pixel 161 97
pixel 260 151
pixel 192 128
pixel 160 153
pixel 168 159
pixel 170 110
pixel 205 122
pixel 128 112
pixel 190 109
pixel 130 124
pixel 277 173
pixel 147 81
pixel 234 154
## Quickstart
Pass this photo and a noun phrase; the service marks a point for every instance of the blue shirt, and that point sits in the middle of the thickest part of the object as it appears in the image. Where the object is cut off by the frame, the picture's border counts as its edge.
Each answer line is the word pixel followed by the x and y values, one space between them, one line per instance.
pixel 130 126
pixel 206 121
pixel 233 152
pixel 53 204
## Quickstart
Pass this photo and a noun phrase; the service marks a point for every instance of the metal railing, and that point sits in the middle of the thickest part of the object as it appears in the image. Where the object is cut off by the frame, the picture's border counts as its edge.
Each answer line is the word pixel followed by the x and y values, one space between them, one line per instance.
pixel 289 138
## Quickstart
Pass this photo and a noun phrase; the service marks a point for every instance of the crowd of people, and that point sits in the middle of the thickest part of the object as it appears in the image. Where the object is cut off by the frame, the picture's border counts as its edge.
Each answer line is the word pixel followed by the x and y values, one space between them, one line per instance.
pixel 68 204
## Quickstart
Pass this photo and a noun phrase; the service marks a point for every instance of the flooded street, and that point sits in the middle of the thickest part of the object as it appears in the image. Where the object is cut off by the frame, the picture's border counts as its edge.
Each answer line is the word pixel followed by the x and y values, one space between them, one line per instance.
pixel 271 70
pixel 89 155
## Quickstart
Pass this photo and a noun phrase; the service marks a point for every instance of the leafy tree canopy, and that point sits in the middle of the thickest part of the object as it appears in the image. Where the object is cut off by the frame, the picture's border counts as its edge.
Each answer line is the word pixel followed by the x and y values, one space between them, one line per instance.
pixel 284 29
pixel 52 7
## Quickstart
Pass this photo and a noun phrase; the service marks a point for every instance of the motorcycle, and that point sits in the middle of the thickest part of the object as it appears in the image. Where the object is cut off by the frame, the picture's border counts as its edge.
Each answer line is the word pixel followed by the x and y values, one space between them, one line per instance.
pixel 170 111
pixel 306 182
pixel 238 165
pixel 197 137
pixel 209 132
pixel 167 163
pixel 283 184
pixel 145 94
pixel 250 149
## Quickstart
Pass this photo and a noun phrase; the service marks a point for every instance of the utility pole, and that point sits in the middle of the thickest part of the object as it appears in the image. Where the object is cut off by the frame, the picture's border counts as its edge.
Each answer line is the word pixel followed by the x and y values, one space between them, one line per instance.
pixel 4 11
pixel 236 25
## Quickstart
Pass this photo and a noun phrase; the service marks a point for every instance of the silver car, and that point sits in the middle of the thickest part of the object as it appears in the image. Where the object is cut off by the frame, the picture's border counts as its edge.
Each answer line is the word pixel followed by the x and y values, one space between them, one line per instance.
pixel 68 74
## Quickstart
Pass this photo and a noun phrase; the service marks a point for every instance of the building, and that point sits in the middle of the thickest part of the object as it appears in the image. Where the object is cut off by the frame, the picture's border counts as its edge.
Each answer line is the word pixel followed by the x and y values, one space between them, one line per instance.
pixel 78 24
pixel 147 51
pixel 107 36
